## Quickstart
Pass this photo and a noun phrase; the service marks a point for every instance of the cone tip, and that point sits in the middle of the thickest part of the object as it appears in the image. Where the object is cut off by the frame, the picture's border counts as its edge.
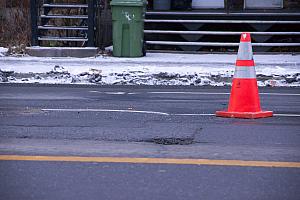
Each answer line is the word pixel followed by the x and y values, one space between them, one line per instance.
pixel 245 37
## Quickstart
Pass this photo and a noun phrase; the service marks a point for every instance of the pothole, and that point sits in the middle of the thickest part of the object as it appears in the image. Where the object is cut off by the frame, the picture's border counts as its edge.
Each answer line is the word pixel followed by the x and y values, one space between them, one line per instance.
pixel 173 141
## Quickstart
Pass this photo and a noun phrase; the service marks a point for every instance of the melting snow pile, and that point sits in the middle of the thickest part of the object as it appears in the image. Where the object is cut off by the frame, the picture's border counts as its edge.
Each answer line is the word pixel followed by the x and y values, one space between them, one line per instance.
pixel 155 69
pixel 59 75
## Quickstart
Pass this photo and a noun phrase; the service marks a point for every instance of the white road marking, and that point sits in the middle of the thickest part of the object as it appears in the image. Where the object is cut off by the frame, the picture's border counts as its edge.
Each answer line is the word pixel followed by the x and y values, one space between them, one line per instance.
pixel 208 114
pixel 198 93
pixel 280 94
pixel 152 112
pixel 105 110
pixel 286 115
pixel 115 93
pixel 194 114
pixel 179 100
pixel 202 93
pixel 94 91
pixel 223 93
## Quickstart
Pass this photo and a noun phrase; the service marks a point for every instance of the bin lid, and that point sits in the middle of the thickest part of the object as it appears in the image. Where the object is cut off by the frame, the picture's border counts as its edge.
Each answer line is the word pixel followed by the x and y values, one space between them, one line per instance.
pixel 128 2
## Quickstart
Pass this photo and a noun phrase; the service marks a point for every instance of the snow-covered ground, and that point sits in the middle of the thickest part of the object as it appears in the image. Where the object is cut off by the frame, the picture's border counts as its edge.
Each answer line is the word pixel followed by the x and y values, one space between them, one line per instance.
pixel 154 69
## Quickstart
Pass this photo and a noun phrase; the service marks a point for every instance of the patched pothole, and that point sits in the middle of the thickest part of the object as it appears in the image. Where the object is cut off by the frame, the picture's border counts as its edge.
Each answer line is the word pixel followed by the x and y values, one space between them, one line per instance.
pixel 19 111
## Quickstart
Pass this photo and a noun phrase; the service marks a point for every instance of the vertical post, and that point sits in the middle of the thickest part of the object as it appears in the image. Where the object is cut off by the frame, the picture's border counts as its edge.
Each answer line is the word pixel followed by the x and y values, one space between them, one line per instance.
pixel 34 27
pixel 228 5
pixel 91 23
pixel 46 10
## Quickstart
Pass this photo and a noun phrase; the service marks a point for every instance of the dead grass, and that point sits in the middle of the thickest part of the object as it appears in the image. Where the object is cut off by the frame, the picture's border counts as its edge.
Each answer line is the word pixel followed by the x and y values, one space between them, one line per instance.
pixel 15 28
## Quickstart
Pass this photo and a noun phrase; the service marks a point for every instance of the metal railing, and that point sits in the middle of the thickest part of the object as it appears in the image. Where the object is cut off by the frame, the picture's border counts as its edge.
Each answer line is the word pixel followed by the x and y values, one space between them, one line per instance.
pixel 43 19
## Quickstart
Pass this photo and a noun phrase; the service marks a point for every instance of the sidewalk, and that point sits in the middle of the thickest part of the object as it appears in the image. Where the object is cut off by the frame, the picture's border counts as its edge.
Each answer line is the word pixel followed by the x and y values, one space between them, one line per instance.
pixel 154 69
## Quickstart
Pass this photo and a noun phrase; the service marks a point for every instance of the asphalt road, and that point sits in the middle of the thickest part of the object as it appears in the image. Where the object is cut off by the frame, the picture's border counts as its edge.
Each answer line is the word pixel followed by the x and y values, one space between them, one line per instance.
pixel 145 122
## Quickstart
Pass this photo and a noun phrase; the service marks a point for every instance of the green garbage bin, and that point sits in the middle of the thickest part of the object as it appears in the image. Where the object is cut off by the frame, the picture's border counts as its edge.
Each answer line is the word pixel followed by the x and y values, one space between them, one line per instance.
pixel 128 27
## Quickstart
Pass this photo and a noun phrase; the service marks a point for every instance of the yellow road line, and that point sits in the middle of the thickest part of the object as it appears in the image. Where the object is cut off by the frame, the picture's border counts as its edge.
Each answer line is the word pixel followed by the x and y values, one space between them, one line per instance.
pixel 240 163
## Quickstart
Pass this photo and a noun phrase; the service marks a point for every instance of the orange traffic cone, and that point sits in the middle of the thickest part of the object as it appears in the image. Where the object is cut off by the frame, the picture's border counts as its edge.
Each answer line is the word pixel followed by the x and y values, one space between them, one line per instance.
pixel 244 98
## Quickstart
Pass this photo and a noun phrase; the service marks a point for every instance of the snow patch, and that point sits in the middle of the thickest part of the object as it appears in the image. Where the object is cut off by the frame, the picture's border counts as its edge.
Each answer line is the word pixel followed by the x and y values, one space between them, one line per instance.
pixel 3 51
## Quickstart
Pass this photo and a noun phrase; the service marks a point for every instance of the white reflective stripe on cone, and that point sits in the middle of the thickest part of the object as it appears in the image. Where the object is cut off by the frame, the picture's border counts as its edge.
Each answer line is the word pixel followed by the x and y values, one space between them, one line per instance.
pixel 244 72
pixel 245 51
